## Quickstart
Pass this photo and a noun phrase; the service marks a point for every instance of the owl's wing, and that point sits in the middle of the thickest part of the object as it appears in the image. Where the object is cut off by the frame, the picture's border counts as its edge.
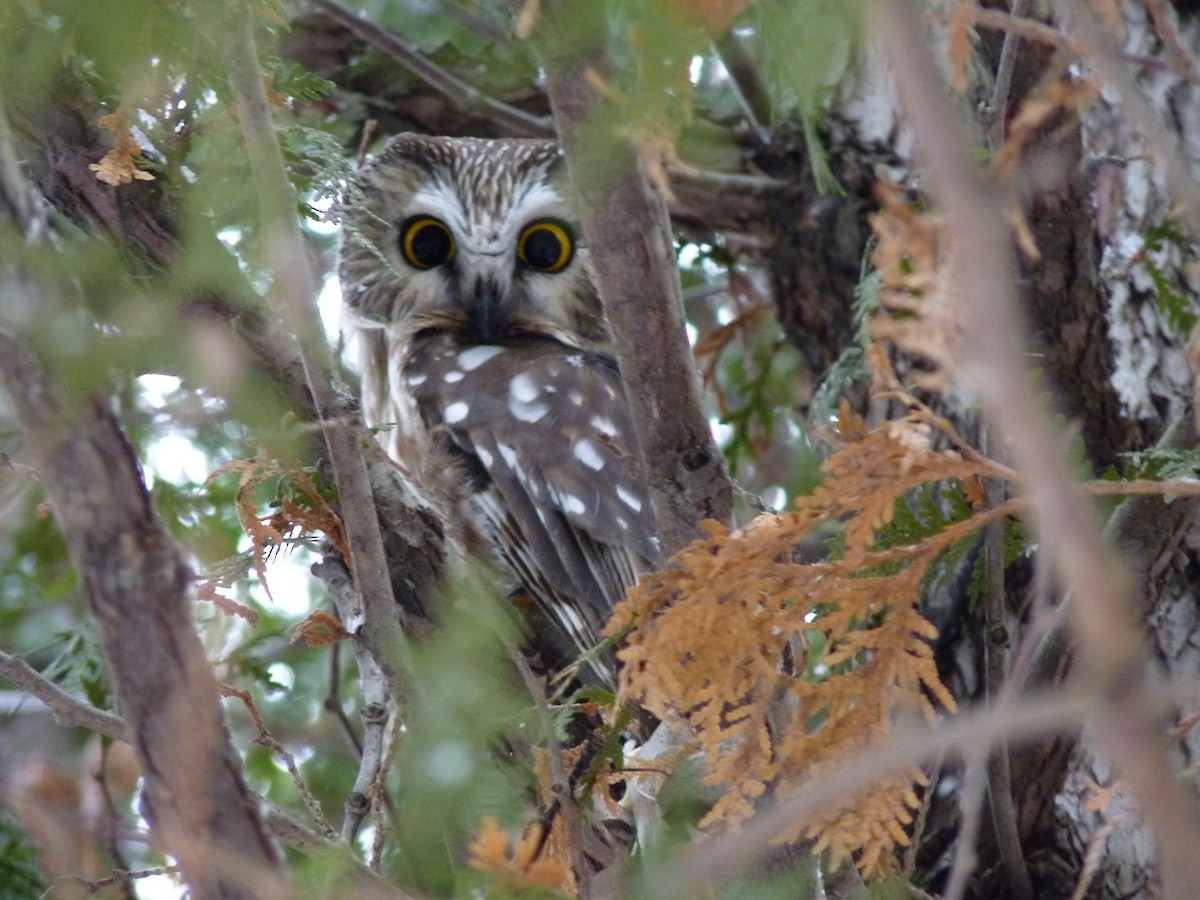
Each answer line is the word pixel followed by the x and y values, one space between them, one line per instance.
pixel 546 436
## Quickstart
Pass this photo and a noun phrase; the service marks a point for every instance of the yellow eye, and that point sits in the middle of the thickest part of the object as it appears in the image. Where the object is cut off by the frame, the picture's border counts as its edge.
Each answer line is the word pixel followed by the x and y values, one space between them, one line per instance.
pixel 545 246
pixel 426 242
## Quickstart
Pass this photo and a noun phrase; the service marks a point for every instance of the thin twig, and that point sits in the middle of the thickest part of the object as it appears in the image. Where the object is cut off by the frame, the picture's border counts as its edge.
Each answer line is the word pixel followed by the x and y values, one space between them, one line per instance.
pixel 731 183
pixel 374 696
pixel 295 295
pixel 462 95
pixel 378 792
pixel 998 105
pixel 67 710
pixel 748 83
pixel 970 804
pixel 268 740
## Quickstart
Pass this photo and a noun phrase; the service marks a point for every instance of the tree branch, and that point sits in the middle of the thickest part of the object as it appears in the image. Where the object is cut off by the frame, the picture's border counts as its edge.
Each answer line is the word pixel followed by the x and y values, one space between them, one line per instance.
pixel 67 709
pixel 1112 654
pixel 378 620
pixel 461 94
pixel 138 588
pixel 628 233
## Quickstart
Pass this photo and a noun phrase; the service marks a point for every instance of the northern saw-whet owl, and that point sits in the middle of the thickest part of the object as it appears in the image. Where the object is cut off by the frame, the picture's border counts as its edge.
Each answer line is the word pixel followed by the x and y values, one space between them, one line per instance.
pixel 483 341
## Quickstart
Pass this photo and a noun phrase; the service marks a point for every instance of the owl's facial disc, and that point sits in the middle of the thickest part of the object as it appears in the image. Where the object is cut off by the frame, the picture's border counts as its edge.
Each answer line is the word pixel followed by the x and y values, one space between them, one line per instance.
pixel 506 260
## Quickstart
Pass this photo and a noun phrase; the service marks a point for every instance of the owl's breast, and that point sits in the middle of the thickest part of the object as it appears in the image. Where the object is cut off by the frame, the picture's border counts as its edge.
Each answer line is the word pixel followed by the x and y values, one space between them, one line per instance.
pixel 438 473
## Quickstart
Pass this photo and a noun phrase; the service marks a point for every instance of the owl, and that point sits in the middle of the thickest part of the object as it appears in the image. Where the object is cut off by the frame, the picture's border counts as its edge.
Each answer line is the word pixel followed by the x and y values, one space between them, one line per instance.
pixel 484 346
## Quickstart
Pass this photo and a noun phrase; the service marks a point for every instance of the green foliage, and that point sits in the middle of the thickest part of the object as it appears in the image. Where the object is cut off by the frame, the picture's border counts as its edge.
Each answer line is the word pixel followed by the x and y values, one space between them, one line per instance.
pixel 1173 298
pixel 1168 465
pixel 808 46
pixel 750 375
pixel 451 769
pixel 21 877
pixel 756 381
pixel 78 666
pixel 850 368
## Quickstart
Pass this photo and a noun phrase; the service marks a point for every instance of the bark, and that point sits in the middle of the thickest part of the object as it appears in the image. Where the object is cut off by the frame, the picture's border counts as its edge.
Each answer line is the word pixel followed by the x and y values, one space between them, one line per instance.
pixel 628 233
pixel 137 585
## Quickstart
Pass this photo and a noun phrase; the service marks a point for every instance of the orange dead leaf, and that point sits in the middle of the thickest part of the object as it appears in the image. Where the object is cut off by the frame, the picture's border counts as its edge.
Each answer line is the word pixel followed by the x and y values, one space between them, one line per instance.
pixel 208 593
pixel 318 630
pixel 1036 111
pixel 917 310
pixel 519 866
pixel 850 426
pixel 116 166
pixel 271 533
pixel 277 99
pixel 973 490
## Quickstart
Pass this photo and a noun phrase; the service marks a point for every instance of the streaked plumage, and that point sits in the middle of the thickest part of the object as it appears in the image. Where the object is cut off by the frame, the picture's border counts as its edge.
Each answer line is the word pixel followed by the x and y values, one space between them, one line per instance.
pixel 483 340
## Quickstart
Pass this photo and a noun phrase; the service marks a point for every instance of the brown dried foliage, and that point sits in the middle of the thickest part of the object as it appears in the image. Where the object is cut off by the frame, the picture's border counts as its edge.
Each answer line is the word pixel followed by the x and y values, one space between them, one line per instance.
pixel 518 864
pixel 917 310
pixel 117 167
pixel 782 669
pixel 271 533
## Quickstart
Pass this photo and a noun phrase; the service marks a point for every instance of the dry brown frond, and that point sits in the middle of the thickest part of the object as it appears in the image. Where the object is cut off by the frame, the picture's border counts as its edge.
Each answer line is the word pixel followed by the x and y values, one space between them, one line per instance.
pixel 518 866
pixel 116 167
pixel 917 312
pixel 270 533
pixel 782 669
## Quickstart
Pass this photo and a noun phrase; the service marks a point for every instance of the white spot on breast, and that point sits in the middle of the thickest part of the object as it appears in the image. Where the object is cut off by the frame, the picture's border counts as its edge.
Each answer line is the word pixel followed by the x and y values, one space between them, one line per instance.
pixel 629 498
pixel 456 412
pixel 523 388
pixel 528 412
pixel 575 360
pixel 572 504
pixel 452 376
pixel 416 380
pixel 474 357
pixel 604 425
pixel 485 457
pixel 585 451
pixel 575 397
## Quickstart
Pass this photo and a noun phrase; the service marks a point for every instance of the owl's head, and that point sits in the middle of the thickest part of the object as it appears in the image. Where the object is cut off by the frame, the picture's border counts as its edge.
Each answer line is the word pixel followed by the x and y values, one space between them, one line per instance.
pixel 478 235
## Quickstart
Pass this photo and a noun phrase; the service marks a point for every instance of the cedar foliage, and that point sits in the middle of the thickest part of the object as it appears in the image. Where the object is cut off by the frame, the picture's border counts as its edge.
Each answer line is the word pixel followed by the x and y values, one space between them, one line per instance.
pixel 782 669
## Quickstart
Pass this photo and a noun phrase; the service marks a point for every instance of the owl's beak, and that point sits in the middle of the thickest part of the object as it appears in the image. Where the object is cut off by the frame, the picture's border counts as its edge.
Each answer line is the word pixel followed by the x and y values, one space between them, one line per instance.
pixel 489 312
